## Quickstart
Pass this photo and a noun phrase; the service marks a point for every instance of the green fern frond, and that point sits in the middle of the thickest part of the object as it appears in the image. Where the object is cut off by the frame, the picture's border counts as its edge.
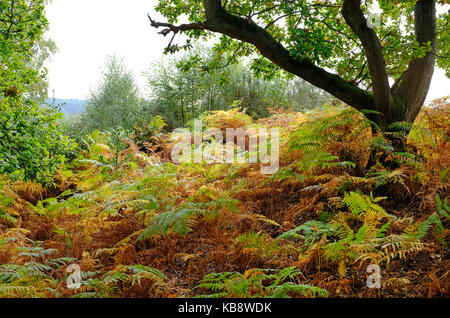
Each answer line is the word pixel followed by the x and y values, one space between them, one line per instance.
pixel 310 231
pixel 15 291
pixel 182 219
pixel 443 207
pixel 283 291
pixel 400 126
pixel 250 284
pixel 359 204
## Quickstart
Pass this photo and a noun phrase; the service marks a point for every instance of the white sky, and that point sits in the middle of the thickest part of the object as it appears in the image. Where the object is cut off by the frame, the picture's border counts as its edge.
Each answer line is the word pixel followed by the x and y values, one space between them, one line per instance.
pixel 86 31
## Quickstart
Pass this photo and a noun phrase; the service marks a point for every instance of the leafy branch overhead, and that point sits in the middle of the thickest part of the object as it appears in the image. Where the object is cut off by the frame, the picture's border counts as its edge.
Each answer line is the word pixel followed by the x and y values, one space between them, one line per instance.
pixel 307 38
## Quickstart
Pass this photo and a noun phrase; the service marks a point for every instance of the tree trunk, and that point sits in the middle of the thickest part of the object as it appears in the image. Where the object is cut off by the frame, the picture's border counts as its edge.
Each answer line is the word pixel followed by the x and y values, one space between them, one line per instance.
pixel 182 112
pixel 411 89
pixel 402 102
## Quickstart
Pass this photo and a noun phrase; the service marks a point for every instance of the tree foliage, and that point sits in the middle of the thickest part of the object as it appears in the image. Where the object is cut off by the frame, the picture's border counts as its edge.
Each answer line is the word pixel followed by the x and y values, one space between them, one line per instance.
pixel 115 102
pixel 181 90
pixel 308 38
pixel 31 142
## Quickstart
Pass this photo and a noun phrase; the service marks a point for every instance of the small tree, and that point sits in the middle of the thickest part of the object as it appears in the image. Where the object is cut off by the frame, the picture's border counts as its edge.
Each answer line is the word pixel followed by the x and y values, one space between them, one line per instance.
pixel 116 101
pixel 42 51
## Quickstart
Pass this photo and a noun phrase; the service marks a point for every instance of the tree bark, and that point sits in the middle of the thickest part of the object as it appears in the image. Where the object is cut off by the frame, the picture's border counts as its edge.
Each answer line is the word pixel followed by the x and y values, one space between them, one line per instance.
pixel 411 89
pixel 353 15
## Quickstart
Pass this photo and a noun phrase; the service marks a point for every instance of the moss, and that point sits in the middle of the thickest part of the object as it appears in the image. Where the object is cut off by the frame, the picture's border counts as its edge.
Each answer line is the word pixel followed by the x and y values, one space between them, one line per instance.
pixel 398 111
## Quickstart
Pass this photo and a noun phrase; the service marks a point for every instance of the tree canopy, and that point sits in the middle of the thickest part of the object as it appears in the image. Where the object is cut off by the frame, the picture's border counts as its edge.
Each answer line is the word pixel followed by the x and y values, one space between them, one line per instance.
pixel 340 46
pixel 116 101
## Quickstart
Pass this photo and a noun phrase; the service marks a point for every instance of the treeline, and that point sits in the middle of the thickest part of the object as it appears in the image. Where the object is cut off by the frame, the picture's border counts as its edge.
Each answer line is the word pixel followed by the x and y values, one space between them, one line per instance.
pixel 179 93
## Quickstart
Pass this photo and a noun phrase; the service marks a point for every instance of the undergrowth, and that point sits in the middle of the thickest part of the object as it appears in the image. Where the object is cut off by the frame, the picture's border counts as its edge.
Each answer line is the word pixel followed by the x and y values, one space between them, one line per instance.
pixel 139 225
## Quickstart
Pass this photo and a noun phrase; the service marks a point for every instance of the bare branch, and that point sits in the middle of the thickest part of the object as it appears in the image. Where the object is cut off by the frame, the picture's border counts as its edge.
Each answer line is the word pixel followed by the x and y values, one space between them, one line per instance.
pixel 175 28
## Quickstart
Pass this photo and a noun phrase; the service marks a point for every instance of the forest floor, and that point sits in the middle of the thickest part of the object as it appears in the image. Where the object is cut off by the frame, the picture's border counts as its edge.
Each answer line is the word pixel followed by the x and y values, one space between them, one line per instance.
pixel 139 225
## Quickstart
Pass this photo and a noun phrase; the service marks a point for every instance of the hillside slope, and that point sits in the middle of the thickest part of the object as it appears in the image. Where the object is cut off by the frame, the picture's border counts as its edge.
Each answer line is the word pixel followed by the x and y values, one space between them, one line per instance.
pixel 139 225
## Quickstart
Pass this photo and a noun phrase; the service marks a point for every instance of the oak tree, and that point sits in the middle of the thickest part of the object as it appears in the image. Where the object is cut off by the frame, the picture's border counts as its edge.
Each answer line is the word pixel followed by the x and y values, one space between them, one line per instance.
pixel 340 46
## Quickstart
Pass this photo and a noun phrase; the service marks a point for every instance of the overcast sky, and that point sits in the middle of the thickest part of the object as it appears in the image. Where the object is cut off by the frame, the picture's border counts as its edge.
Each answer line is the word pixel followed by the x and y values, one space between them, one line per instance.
pixel 86 31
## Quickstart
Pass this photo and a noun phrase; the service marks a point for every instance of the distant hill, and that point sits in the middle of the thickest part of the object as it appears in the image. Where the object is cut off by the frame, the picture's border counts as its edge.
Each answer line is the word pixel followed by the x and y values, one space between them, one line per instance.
pixel 69 106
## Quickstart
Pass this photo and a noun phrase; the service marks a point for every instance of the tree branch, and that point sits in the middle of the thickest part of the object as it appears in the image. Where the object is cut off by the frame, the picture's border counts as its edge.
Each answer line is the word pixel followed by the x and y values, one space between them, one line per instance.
pixel 220 21
pixel 417 77
pixel 175 29
pixel 353 15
